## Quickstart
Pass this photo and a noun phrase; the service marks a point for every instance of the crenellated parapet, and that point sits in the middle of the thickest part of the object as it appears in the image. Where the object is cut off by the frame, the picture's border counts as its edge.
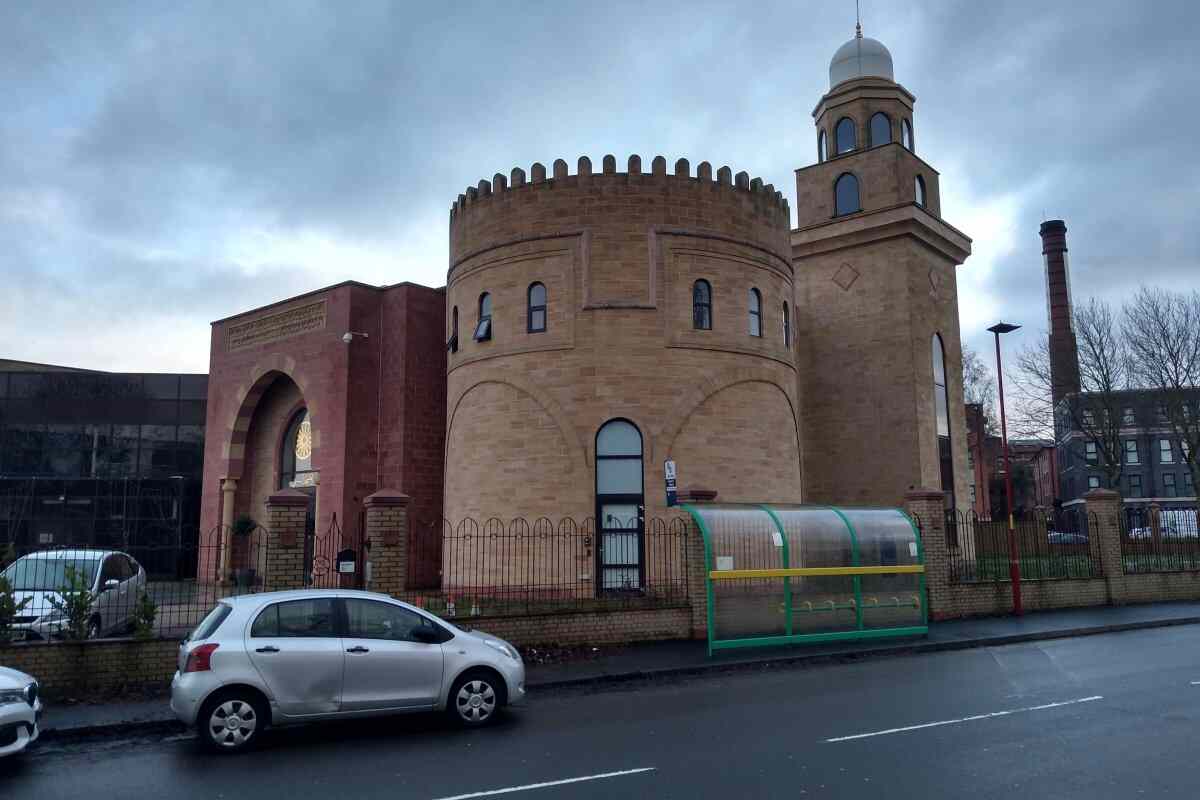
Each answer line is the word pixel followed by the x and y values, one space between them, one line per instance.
pixel 519 185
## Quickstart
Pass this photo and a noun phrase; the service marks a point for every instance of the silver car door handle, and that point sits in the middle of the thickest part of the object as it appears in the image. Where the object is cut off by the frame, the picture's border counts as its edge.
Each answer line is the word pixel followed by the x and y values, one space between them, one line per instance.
pixel 359 649
pixel 267 649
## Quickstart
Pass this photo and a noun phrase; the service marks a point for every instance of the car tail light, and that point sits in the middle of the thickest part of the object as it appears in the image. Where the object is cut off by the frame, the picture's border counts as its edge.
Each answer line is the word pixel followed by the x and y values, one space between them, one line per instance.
pixel 200 659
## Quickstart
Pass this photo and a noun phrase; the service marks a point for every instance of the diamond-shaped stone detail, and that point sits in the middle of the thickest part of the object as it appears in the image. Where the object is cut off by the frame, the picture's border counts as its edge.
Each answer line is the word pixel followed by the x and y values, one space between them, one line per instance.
pixel 845 277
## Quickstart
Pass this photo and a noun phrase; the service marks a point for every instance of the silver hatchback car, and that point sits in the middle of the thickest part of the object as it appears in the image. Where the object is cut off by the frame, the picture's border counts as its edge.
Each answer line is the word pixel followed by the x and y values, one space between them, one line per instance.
pixel 282 658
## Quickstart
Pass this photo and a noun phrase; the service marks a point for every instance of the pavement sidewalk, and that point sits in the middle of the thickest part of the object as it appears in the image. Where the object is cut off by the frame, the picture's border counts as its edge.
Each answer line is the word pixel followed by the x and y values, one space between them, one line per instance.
pixel 682 658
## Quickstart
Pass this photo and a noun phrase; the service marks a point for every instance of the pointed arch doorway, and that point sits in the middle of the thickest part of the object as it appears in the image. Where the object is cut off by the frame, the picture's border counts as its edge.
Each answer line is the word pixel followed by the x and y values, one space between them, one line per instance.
pixel 620 508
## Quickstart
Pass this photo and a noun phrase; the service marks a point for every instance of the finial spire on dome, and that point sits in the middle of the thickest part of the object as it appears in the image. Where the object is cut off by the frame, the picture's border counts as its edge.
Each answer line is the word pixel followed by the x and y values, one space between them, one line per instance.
pixel 858 19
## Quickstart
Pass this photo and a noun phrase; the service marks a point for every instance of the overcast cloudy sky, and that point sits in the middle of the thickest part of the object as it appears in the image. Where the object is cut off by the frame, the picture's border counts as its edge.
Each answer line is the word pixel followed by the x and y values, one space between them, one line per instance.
pixel 166 164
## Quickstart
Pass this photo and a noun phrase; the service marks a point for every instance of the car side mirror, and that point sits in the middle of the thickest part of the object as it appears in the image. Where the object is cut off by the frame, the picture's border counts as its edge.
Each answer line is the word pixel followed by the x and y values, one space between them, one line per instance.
pixel 111 583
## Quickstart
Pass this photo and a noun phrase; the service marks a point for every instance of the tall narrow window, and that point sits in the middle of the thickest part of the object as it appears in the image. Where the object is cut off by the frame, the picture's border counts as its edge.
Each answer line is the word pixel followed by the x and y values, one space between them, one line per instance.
pixel 1091 455
pixel 1135 485
pixel 844 135
pixel 941 407
pixel 881 129
pixel 1166 454
pixel 787 326
pixel 452 344
pixel 845 194
pixel 702 305
pixel 483 328
pixel 1131 452
pixel 1168 482
pixel 755 313
pixel 821 146
pixel 906 134
pixel 920 191
pixel 536 316
pixel 620 506
pixel 295 458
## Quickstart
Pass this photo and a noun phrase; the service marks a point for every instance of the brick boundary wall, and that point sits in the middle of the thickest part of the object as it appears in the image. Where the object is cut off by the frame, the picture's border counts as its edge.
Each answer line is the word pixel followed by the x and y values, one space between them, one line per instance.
pixel 621 626
pixel 97 668
pixel 949 600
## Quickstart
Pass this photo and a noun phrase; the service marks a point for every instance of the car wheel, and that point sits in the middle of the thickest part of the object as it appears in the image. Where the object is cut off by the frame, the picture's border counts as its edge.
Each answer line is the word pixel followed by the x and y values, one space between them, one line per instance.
pixel 474 699
pixel 231 722
pixel 93 628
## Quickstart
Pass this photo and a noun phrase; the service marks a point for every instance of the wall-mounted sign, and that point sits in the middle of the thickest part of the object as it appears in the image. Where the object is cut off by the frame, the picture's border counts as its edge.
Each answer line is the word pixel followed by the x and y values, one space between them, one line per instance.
pixel 669 475
pixel 346 562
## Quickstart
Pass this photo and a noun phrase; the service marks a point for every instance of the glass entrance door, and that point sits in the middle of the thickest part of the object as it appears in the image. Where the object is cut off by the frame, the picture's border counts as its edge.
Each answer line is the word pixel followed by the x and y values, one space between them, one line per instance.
pixel 620 508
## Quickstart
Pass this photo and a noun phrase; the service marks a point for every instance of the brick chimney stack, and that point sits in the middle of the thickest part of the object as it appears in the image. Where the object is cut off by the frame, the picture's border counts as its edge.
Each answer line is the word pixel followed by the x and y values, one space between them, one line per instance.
pixel 1064 352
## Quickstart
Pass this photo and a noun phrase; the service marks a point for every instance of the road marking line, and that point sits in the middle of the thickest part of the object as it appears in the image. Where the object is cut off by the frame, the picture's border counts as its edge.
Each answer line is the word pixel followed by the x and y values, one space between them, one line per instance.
pixel 529 786
pixel 1195 683
pixel 966 719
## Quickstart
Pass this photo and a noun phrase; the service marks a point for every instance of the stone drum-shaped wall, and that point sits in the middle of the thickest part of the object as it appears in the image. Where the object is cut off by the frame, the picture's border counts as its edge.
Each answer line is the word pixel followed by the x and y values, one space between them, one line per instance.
pixel 615 257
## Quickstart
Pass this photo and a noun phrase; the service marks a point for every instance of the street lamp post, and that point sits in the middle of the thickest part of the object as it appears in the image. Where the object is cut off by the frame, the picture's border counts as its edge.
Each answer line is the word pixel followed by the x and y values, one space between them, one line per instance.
pixel 1014 561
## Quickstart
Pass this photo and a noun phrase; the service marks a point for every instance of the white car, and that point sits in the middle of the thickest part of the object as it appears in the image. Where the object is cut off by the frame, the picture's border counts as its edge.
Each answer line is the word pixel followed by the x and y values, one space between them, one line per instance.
pixel 114 578
pixel 20 708
pixel 282 658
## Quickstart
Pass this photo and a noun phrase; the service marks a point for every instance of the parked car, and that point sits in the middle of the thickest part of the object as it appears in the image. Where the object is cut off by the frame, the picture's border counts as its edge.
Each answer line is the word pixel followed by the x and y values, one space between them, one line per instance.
pixel 282 658
pixel 115 579
pixel 1067 537
pixel 20 711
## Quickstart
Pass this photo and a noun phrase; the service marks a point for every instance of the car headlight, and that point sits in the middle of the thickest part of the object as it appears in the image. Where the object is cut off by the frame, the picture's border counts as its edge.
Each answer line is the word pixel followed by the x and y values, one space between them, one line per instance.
pixel 503 647
pixel 11 696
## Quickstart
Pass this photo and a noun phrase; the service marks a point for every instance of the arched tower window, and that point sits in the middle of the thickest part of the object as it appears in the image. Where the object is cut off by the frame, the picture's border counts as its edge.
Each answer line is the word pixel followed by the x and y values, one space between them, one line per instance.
pixel 295 456
pixel 483 328
pixel 821 146
pixel 536 315
pixel 787 326
pixel 844 135
pixel 881 129
pixel 702 305
pixel 920 191
pixel 845 191
pixel 620 506
pixel 941 408
pixel 452 344
pixel 755 312
pixel 906 137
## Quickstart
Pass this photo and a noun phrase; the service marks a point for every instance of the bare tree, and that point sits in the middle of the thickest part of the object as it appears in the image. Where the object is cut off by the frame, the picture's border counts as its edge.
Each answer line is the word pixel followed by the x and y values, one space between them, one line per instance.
pixel 1163 331
pixel 1095 413
pixel 979 387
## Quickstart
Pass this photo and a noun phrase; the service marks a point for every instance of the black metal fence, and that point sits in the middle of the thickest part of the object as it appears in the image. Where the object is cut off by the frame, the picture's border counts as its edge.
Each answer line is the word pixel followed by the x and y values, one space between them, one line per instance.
pixel 494 567
pixel 1154 540
pixel 1049 547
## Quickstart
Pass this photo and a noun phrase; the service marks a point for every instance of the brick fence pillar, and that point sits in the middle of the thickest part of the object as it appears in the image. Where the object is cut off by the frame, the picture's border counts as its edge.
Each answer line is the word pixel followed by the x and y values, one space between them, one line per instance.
pixel 927 508
pixel 387 541
pixel 286 514
pixel 1103 509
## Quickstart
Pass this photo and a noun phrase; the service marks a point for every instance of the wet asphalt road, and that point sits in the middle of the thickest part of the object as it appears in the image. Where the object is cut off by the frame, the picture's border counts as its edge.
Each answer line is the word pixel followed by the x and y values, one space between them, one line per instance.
pixel 1111 716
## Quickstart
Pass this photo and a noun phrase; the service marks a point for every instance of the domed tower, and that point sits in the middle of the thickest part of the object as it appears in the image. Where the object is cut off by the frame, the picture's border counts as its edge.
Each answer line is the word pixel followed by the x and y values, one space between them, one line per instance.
pixel 880 359
pixel 602 322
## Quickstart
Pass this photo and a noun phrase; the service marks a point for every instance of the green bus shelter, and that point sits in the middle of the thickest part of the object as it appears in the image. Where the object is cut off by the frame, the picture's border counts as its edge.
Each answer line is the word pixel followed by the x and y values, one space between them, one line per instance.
pixel 778 574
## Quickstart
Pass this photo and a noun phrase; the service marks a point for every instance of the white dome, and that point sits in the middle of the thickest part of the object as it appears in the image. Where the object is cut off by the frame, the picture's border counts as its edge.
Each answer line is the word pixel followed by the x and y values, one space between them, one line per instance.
pixel 858 58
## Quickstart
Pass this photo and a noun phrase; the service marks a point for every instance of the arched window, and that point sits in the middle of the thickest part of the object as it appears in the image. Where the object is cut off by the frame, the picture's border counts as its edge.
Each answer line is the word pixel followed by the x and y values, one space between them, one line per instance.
pixel 881 129
pixel 787 326
pixel 906 134
pixel 483 328
pixel 941 409
pixel 755 313
pixel 920 191
pixel 620 505
pixel 452 344
pixel 845 191
pixel 295 457
pixel 536 316
pixel 844 136
pixel 702 305
pixel 821 146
